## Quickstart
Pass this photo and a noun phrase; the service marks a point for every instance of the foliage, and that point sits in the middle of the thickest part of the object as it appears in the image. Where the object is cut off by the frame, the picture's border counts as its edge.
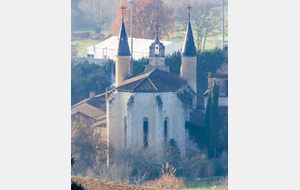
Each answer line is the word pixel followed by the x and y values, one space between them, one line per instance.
pixel 86 148
pixel 132 166
pixel 205 20
pixel 212 124
pixel 72 160
pixel 87 77
pixel 97 13
pixel 209 61
pixel 174 62
pixel 196 134
pixel 75 186
pixel 167 179
pixel 172 153
pixel 145 18
pixel 73 51
pixel 77 16
pixel 139 65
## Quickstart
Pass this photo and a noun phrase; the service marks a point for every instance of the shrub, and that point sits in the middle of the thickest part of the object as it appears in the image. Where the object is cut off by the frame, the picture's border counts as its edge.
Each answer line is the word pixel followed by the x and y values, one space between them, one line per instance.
pixel 75 186
pixel 167 179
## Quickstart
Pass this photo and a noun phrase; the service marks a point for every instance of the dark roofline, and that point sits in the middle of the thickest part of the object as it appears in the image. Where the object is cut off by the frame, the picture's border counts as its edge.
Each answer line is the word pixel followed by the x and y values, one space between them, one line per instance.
pixel 147 91
pixel 216 75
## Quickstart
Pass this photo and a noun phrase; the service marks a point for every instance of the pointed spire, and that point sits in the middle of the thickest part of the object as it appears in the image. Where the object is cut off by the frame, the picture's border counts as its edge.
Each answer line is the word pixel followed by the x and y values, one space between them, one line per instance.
pixel 123 47
pixel 189 48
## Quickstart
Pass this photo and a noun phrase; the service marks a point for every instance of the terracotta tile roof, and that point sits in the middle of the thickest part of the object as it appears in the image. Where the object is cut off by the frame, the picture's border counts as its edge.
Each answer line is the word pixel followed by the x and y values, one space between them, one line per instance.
pixel 154 80
pixel 79 114
pixel 96 101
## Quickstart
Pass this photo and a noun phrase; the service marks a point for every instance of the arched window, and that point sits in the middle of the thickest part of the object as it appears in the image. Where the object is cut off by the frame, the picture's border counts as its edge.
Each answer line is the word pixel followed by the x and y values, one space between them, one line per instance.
pixel 145 128
pixel 125 128
pixel 166 131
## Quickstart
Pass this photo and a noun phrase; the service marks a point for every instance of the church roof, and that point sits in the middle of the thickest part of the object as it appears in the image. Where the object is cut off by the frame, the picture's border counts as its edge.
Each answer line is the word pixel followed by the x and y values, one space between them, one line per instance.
pixel 189 48
pixel 96 101
pixel 154 80
pixel 123 47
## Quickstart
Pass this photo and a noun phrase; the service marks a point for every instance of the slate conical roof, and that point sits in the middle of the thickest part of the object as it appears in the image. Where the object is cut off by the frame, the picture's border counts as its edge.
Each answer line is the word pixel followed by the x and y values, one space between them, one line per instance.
pixel 189 48
pixel 123 47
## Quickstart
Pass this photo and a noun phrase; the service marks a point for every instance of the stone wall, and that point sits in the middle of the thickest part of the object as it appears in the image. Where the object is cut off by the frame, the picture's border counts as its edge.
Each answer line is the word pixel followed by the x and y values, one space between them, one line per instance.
pixel 156 107
pixel 188 71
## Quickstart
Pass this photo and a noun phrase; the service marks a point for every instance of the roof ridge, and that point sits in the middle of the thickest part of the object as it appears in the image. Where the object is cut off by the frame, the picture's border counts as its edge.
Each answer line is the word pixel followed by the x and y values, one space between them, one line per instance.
pixel 139 83
pixel 152 83
pixel 151 71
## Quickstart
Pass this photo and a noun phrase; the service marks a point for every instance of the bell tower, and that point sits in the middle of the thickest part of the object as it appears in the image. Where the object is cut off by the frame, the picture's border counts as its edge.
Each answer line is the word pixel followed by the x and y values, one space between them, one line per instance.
pixel 188 69
pixel 123 55
pixel 157 53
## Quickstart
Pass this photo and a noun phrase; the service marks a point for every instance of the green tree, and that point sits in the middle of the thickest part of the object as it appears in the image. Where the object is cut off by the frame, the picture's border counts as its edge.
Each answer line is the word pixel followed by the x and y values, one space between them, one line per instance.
pixel 139 65
pixel 174 62
pixel 211 118
pixel 87 77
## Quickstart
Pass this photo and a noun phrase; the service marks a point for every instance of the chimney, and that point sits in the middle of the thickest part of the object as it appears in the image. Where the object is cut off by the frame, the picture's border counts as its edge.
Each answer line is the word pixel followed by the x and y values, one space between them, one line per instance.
pixel 92 94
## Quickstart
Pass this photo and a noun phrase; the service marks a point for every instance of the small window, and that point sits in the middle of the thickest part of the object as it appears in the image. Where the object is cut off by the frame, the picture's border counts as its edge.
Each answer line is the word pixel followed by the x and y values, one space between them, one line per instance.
pixel 166 131
pixel 145 127
pixel 156 49
pixel 125 128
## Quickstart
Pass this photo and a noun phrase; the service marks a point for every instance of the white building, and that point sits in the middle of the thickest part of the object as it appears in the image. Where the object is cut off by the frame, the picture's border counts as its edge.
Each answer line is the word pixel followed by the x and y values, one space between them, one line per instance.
pixel 108 48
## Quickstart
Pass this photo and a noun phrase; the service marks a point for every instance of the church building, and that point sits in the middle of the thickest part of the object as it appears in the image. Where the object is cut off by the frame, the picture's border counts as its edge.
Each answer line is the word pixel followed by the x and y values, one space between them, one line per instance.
pixel 149 109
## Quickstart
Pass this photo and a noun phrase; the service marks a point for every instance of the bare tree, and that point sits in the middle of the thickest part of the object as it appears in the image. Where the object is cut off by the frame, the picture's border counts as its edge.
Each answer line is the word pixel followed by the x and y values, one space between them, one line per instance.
pixel 205 21
pixel 98 12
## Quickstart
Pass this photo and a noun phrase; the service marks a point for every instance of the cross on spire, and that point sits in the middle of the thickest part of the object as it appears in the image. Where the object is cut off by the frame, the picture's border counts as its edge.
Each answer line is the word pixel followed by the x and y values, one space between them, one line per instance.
pixel 189 8
pixel 157 25
pixel 122 8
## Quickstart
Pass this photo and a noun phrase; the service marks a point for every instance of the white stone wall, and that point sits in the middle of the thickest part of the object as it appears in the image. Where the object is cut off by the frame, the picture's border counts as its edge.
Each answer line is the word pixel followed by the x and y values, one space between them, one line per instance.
pixel 145 105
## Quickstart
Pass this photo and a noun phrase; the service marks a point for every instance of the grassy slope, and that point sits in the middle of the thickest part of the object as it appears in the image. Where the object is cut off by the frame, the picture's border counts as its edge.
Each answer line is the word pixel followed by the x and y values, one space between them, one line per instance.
pixel 201 185
pixel 81 46
pixel 95 184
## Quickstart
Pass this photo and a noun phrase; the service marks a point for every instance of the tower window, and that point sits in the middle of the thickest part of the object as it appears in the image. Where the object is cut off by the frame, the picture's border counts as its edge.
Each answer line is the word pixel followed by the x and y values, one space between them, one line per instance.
pixel 125 128
pixel 145 127
pixel 156 49
pixel 166 131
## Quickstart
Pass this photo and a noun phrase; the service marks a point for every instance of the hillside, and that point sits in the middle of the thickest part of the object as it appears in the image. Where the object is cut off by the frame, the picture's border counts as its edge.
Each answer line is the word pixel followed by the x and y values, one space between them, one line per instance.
pixel 94 184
